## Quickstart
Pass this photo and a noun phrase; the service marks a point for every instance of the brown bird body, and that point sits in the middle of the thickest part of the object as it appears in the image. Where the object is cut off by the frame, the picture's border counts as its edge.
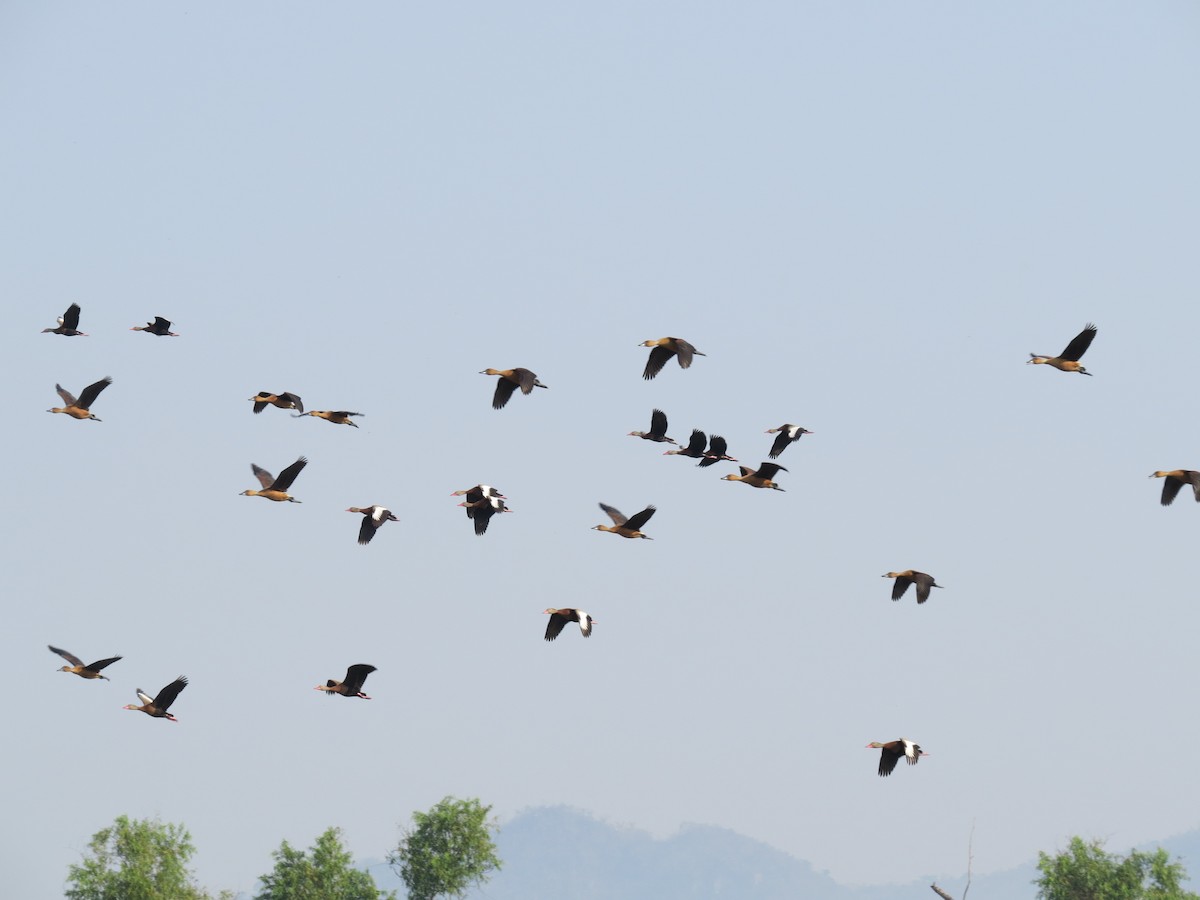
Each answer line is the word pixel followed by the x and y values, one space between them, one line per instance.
pixel 510 380
pixel 351 685
pixel 910 576
pixel 160 327
pixel 760 478
pixel 892 751
pixel 68 323
pixel 626 527
pixel 91 670
pixel 81 408
pixel 286 400
pixel 663 350
pixel 373 519
pixel 1068 360
pixel 276 488
pixel 788 434
pixel 658 429
pixel 158 706
pixel 1175 480
pixel 560 617
pixel 338 417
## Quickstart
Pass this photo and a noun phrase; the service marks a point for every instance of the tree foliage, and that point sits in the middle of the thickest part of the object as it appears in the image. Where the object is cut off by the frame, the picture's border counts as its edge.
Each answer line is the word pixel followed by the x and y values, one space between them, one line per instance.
pixel 136 859
pixel 325 872
pixel 1085 871
pixel 449 849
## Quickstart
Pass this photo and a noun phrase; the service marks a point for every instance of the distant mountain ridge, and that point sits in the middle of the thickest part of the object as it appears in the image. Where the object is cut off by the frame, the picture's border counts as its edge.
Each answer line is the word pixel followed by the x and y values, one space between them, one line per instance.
pixel 559 853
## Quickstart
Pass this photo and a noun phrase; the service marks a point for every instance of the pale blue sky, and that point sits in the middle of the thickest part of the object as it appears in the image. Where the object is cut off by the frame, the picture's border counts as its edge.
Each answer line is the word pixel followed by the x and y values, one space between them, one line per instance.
pixel 867 215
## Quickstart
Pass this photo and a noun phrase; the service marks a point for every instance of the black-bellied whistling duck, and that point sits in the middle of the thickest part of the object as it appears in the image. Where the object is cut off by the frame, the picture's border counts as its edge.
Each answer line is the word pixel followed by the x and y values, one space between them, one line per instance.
pixel 760 478
pixel 286 400
pixel 717 451
pixel 373 519
pixel 158 706
pixel 160 327
pixel 68 323
pixel 480 509
pixel 276 488
pixel 478 492
pixel 510 380
pixel 91 670
pixel 892 751
pixel 909 576
pixel 626 528
pixel 352 685
pixel 560 617
pixel 81 408
pixel 1176 479
pixel 340 417
pixel 694 448
pixel 1068 360
pixel 658 429
pixel 664 349
pixel 788 434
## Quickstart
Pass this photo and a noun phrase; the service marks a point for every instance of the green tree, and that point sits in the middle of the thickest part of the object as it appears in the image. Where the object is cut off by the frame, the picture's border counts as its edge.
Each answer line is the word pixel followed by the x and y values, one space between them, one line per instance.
pixel 1085 871
pixel 324 873
pixel 449 849
pixel 136 859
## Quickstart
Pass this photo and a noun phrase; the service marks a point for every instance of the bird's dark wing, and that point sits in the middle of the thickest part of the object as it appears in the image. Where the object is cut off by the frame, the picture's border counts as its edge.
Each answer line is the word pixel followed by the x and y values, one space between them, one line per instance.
pixel 658 423
pixel 504 390
pixel 288 475
pixel 696 443
pixel 900 587
pixel 1079 344
pixel 685 351
pixel 659 356
pixel 769 470
pixel 89 394
pixel 1193 478
pixel 71 318
pixel 1171 486
pixel 525 379
pixel 637 520
pixel 717 449
pixel 555 626
pixel 614 514
pixel 68 398
pixel 161 324
pixel 916 757
pixel 366 530
pixel 482 515
pixel 69 657
pixel 345 413
pixel 923 583
pixel 264 477
pixel 168 694
pixel 887 761
pixel 781 444
pixel 101 663
pixel 355 676
pixel 299 404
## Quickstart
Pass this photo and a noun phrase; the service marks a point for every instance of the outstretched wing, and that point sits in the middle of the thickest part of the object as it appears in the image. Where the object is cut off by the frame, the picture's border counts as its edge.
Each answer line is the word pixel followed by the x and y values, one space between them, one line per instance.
pixel 555 626
pixel 781 443
pixel 69 657
pixel 1079 344
pixel 614 514
pixel 504 390
pixel 168 694
pixel 769 470
pixel 658 423
pixel 68 398
pixel 1171 486
pixel 265 478
pixel 525 379
pixel 659 357
pixel 91 392
pixel 366 530
pixel 288 475
pixel 696 443
pixel 70 318
pixel 685 351
pixel 887 761
pixel 356 675
pixel 637 520
pixel 101 663
pixel 899 588
pixel 296 401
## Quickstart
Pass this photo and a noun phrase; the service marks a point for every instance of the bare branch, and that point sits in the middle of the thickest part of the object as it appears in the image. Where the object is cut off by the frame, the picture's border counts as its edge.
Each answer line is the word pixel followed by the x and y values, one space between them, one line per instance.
pixel 970 858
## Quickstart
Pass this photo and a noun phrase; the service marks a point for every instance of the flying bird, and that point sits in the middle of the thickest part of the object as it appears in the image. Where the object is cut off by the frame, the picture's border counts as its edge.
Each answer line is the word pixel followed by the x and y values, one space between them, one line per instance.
pixel 352 685
pixel 68 323
pixel 510 380
pixel 560 617
pixel 694 448
pixel 658 429
pixel 663 350
pixel 285 400
pixel 81 408
pixel 158 706
pixel 910 576
pixel 1175 480
pixel 160 327
pixel 91 670
pixel 626 528
pixel 339 417
pixel 892 751
pixel 760 478
pixel 1068 360
pixel 480 509
pixel 373 519
pixel 717 451
pixel 788 434
pixel 276 488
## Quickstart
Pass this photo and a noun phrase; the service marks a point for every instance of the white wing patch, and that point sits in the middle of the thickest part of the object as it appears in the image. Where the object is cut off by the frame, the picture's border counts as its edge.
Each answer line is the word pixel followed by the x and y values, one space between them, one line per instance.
pixel 146 700
pixel 585 623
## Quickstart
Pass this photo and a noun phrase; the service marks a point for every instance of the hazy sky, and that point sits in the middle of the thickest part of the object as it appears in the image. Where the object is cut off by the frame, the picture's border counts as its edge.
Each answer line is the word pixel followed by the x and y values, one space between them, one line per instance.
pixel 866 215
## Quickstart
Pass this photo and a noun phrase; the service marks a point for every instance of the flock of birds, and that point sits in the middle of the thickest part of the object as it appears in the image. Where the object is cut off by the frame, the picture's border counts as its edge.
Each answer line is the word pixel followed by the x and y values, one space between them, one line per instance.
pixel 482 502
